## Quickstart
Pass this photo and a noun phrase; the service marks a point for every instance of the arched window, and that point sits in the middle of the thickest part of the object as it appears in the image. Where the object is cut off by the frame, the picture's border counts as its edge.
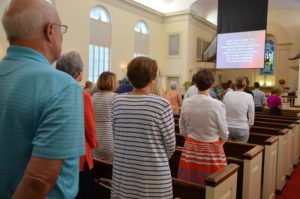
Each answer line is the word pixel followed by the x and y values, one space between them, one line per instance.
pixel 269 58
pixel 141 39
pixel 99 48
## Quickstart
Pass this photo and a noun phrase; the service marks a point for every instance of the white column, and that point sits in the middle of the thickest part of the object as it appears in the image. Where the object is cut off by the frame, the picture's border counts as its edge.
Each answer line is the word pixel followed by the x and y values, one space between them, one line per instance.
pixel 297 101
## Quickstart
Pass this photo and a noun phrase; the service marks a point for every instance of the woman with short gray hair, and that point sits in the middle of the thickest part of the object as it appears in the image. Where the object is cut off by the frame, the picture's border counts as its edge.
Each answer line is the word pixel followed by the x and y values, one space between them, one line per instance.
pixel 72 64
pixel 174 97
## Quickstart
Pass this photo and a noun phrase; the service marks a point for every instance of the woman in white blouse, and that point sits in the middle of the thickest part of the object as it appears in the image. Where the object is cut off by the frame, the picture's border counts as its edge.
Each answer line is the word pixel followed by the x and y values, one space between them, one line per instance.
pixel 239 112
pixel 203 122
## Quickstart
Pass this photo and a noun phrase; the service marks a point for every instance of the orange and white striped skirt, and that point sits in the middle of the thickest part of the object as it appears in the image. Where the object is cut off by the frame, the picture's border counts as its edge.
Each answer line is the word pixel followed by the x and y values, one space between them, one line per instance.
pixel 200 160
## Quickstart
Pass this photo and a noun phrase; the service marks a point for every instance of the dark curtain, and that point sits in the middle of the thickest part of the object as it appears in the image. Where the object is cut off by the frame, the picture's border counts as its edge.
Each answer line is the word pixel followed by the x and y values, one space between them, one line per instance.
pixel 242 15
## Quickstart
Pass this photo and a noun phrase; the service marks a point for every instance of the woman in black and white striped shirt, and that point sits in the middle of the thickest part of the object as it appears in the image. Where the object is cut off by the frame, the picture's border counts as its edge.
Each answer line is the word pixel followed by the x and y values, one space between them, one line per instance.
pixel 144 136
pixel 102 101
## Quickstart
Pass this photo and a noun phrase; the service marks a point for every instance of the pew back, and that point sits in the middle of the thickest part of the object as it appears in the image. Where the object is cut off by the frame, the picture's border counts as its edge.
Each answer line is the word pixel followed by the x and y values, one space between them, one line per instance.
pixel 282 163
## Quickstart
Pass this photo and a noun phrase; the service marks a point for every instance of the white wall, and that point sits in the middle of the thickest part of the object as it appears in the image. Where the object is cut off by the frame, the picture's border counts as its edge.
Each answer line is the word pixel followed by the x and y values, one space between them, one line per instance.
pixel 175 66
pixel 124 17
pixel 3 41
pixel 198 29
pixel 286 23
pixel 189 27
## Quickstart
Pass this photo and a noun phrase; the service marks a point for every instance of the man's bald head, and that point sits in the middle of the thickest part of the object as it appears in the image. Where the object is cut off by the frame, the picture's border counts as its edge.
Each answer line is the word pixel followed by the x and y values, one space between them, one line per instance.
pixel 27 18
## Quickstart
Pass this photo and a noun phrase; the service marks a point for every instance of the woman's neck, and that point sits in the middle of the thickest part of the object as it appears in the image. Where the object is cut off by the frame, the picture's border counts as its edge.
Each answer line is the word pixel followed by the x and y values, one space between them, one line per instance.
pixel 141 91
pixel 205 92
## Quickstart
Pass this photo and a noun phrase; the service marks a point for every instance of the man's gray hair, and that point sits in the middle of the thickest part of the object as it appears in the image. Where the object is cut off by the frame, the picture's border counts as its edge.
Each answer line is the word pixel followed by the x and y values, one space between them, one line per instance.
pixel 29 21
pixel 70 63
pixel 173 85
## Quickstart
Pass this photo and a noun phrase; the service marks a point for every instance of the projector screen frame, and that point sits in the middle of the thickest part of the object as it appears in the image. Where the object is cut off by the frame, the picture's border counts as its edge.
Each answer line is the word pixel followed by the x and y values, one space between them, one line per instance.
pixel 262 50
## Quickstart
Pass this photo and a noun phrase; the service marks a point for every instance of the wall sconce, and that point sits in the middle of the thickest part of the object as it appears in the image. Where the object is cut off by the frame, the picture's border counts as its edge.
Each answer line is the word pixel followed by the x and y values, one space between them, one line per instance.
pixel 123 67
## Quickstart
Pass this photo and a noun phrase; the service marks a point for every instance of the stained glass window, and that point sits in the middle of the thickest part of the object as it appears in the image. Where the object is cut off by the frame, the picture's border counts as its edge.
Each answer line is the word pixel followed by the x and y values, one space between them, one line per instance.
pixel 269 58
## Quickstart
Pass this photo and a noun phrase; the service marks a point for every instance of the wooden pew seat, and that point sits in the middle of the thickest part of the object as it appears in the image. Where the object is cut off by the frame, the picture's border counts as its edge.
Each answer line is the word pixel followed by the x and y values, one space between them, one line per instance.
pixel 292 144
pixel 102 175
pixel 251 156
pixel 295 135
pixel 269 168
pixel 282 164
pixel 222 184
pixel 245 155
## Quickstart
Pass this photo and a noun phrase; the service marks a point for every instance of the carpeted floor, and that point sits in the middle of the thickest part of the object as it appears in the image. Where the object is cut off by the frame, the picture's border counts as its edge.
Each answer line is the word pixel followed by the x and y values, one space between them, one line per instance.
pixel 292 188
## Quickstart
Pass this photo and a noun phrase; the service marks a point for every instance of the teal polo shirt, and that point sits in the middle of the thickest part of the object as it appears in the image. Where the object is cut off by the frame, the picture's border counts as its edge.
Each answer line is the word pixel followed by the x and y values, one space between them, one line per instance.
pixel 41 115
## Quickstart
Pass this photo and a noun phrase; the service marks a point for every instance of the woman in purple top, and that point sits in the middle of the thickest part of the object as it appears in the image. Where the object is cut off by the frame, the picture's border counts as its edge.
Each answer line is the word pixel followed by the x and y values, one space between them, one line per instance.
pixel 274 102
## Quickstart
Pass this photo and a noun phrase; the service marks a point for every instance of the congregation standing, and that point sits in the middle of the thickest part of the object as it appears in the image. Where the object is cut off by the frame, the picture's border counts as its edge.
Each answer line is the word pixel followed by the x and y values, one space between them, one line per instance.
pixel 57 128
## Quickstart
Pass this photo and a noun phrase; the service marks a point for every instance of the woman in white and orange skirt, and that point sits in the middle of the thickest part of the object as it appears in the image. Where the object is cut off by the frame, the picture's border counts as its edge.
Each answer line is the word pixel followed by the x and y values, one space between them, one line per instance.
pixel 203 123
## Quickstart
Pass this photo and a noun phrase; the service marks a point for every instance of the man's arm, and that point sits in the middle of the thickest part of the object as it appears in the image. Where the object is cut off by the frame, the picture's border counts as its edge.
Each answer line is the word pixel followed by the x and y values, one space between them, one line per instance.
pixel 39 178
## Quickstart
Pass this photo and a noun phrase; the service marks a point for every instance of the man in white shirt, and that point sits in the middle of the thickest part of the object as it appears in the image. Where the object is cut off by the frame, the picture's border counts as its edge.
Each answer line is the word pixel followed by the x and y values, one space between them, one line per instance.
pixel 239 112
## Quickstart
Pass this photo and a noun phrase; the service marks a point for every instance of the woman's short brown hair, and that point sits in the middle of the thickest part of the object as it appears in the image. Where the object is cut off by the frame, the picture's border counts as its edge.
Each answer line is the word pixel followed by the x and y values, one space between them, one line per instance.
pixel 107 81
pixel 141 71
pixel 204 79
pixel 240 82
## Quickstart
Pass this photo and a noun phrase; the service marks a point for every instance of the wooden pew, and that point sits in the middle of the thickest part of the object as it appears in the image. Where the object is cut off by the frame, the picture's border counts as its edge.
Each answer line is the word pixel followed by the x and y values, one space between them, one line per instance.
pixel 180 139
pixel 247 156
pixel 219 185
pixel 176 120
pixel 251 157
pixel 270 144
pixel 195 191
pixel 102 175
pixel 295 136
pixel 291 141
pixel 258 114
pixel 276 116
pixel 281 152
pixel 177 130
pixel 222 184
pixel 285 112
pixel 269 169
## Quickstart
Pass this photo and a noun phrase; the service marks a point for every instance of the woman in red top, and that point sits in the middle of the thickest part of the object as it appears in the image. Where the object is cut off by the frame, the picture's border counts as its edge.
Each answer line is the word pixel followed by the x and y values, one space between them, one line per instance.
pixel 72 64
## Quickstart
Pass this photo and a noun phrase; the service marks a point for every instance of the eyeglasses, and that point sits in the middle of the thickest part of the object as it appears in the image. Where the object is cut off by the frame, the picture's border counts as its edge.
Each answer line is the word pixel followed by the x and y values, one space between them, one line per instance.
pixel 63 28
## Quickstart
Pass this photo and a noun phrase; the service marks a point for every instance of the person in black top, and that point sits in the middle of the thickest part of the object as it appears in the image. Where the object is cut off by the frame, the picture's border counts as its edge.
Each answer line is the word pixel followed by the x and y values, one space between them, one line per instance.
pixel 246 88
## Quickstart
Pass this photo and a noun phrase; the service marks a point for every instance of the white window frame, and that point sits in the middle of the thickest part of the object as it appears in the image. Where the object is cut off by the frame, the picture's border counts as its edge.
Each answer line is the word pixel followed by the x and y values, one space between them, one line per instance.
pixel 99 46
pixel 141 43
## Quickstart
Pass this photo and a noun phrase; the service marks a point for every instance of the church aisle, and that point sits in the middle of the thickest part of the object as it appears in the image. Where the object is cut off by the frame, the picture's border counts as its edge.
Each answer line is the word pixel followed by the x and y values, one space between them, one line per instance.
pixel 292 188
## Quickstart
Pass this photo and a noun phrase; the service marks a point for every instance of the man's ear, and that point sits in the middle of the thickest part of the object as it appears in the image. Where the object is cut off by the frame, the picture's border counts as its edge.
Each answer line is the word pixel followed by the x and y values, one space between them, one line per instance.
pixel 49 33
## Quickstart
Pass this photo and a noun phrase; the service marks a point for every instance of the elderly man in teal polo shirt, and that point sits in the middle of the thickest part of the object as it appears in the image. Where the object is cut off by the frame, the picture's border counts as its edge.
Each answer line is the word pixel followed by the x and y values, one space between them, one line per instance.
pixel 41 109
